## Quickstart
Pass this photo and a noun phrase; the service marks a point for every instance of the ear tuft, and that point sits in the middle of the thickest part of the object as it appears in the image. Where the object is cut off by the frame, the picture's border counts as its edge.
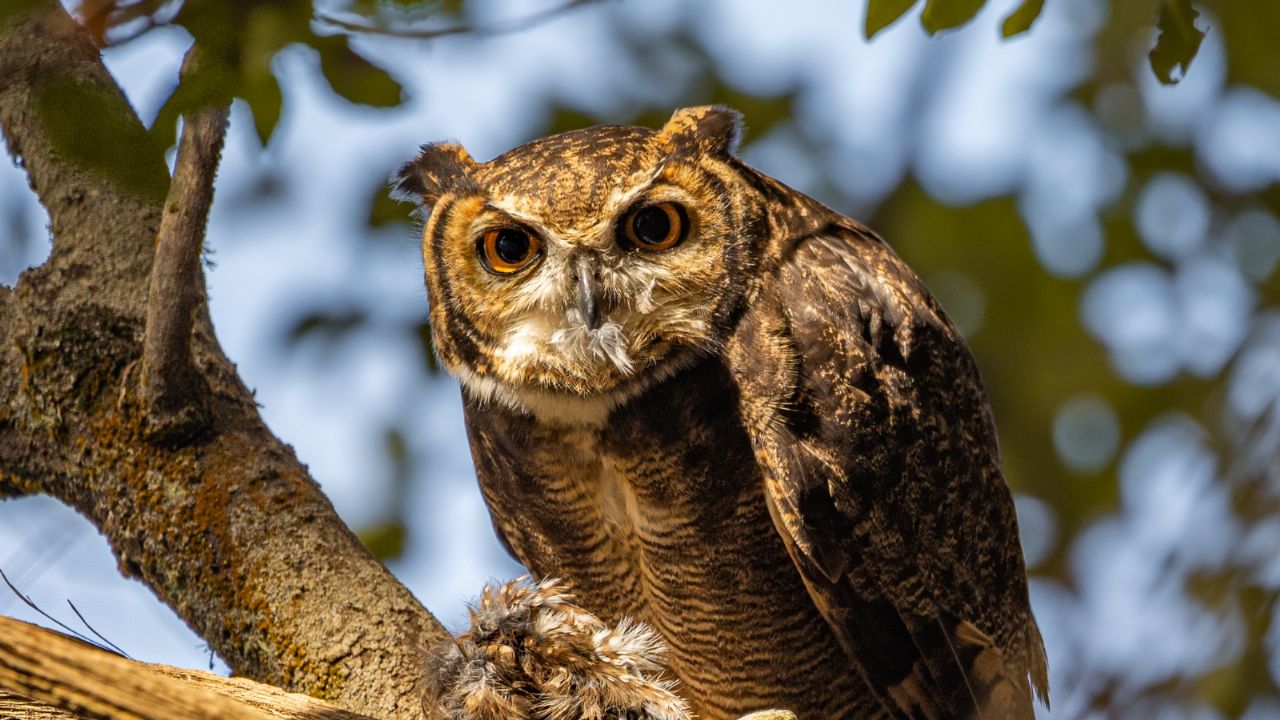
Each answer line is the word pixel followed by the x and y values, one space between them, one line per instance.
pixel 439 168
pixel 712 129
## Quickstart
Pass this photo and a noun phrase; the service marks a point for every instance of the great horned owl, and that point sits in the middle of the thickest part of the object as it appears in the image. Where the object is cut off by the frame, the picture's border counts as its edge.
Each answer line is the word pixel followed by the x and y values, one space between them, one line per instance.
pixel 716 406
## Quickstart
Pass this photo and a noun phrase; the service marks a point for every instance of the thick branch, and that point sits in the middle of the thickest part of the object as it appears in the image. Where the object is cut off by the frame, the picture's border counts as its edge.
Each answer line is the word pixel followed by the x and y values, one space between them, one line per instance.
pixel 19 706
pixel 55 671
pixel 171 385
pixel 228 528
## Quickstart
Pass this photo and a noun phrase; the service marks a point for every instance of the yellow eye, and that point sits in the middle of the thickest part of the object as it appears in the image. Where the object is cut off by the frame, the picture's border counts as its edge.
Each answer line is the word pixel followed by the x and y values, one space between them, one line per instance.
pixel 656 227
pixel 507 250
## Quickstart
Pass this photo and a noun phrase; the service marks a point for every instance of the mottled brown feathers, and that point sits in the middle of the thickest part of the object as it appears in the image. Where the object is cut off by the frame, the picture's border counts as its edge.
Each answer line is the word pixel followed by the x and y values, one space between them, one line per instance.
pixel 888 438
pixel 793 477
pixel 439 168
pixel 708 130
pixel 532 654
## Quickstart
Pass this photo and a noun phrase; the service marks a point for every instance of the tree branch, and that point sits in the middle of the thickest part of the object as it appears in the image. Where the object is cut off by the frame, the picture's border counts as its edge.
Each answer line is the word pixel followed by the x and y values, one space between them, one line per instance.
pixel 170 382
pixel 47 670
pixel 227 528
pixel 18 706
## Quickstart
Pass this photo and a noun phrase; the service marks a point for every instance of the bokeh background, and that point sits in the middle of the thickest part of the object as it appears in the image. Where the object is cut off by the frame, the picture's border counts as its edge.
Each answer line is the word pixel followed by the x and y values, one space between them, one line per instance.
pixel 1108 244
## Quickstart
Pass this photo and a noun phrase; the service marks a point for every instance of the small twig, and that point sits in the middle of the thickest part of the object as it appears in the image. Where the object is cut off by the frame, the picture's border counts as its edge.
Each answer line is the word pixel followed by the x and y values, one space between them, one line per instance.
pixel 70 631
pixel 95 632
pixel 499 28
pixel 172 390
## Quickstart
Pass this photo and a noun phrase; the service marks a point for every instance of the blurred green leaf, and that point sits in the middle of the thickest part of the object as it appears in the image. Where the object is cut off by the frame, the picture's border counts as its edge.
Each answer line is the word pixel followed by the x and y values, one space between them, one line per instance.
pixel 942 15
pixel 212 79
pixel 563 118
pixel 265 101
pixel 1020 20
pixel 1249 35
pixel 209 83
pixel 423 332
pixel 96 131
pixel 384 211
pixel 1177 42
pixel 270 29
pixel 385 540
pixel 13 8
pixel 264 188
pixel 329 325
pixel 237 42
pixel 397 448
pixel 354 77
pixel 762 112
pixel 882 13
pixel 1232 687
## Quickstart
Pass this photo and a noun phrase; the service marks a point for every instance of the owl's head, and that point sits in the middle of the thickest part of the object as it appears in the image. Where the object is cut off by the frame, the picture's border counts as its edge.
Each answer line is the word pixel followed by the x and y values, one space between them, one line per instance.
pixel 569 273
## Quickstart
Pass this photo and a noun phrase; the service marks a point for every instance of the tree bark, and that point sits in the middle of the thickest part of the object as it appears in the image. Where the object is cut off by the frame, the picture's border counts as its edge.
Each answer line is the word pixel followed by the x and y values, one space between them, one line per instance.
pixel 20 707
pixel 222 522
pixel 51 675
pixel 170 383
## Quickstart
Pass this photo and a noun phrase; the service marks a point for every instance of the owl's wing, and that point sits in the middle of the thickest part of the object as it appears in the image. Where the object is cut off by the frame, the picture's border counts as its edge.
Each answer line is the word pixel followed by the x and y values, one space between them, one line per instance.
pixel 872 429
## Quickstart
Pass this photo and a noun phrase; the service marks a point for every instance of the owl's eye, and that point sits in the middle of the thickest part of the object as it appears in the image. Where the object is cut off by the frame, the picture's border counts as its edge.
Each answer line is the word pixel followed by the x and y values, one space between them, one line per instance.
pixel 656 227
pixel 507 250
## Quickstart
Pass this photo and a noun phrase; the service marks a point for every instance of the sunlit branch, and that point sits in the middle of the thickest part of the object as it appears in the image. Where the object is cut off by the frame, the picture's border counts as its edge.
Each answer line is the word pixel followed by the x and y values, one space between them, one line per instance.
pixel 51 670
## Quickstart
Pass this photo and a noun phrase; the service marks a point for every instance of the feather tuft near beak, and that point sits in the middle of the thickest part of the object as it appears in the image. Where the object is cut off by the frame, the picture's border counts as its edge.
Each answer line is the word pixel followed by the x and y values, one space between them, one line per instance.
pixel 587 293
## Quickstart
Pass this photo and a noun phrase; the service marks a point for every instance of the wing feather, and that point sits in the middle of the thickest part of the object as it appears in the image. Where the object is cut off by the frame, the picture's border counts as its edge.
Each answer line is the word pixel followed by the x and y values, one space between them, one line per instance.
pixel 882 473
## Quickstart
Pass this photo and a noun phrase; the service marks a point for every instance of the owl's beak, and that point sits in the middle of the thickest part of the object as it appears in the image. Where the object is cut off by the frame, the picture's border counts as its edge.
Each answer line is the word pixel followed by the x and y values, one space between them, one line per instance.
pixel 587 293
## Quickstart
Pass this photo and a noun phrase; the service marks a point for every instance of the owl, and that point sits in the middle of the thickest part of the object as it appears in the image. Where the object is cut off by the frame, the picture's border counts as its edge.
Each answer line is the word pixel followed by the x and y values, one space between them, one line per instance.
pixel 714 406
